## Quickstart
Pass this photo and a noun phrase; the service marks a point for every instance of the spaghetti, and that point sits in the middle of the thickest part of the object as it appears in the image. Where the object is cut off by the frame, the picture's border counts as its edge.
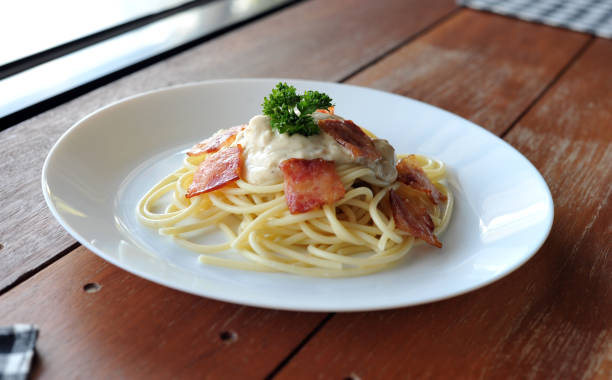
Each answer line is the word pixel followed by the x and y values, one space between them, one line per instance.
pixel 354 236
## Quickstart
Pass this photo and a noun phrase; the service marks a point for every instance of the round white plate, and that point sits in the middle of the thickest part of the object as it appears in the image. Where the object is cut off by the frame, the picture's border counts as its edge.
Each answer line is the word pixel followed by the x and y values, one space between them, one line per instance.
pixel 97 171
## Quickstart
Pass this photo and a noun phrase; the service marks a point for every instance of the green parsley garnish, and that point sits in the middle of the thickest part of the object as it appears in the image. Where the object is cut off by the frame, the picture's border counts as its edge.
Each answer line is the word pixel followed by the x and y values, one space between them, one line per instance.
pixel 283 102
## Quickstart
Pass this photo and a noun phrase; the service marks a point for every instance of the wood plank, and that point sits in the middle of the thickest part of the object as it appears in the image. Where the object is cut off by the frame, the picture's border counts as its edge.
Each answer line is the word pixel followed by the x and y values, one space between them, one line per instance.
pixel 318 39
pixel 131 328
pixel 551 318
pixel 483 67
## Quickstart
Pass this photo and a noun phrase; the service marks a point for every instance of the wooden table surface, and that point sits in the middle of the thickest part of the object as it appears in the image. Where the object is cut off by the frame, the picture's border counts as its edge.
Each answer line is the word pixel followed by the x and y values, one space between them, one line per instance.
pixel 546 91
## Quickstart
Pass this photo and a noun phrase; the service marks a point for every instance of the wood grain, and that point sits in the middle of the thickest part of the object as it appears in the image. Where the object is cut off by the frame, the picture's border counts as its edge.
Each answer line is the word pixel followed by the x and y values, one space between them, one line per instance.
pixel 551 318
pixel 131 328
pixel 325 40
pixel 484 67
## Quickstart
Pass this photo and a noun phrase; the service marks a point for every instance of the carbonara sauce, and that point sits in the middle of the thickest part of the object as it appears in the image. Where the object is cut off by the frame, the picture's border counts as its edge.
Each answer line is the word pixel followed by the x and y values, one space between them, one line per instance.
pixel 264 149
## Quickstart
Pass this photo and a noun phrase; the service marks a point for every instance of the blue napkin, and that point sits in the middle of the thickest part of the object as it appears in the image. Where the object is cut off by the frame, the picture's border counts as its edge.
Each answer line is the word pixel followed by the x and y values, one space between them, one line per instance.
pixel 16 351
pixel 588 16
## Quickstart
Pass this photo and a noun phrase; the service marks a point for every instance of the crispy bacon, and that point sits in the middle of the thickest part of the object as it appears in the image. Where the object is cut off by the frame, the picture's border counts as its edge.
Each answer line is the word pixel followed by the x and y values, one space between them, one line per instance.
pixel 222 138
pixel 350 136
pixel 310 184
pixel 409 173
pixel 217 170
pixel 413 218
pixel 329 110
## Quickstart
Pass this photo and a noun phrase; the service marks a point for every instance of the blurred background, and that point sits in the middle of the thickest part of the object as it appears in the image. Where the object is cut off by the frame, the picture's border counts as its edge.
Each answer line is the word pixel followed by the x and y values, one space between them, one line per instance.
pixel 52 51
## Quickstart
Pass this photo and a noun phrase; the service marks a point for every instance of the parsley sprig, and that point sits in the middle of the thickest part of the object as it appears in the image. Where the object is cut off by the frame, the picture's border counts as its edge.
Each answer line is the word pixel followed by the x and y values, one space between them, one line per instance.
pixel 283 102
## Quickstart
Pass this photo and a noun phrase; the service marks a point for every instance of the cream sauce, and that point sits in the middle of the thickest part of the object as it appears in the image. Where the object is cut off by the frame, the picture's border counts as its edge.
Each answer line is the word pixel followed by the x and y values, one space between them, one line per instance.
pixel 264 149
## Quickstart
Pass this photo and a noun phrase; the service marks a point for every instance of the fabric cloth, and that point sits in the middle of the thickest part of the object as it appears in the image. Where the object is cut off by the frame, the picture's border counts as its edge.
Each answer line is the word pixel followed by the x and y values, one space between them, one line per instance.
pixel 16 351
pixel 588 16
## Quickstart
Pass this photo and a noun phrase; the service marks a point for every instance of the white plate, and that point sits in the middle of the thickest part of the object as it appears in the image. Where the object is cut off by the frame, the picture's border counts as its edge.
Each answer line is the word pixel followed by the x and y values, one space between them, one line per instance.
pixel 100 167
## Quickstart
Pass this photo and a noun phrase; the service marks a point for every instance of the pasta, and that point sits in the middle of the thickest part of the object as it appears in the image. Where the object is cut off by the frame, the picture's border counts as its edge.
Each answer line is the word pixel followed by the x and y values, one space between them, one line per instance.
pixel 354 236
pixel 301 190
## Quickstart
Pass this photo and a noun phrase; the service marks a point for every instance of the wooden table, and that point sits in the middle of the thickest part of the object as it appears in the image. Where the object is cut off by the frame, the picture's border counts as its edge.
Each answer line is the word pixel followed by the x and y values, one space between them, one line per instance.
pixel 546 91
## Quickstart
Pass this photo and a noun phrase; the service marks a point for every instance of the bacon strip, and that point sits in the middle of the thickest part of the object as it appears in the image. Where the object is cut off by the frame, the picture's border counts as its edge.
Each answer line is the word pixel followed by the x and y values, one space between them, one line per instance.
pixel 409 173
pixel 413 218
pixel 222 138
pixel 329 110
pixel 310 184
pixel 350 136
pixel 216 170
